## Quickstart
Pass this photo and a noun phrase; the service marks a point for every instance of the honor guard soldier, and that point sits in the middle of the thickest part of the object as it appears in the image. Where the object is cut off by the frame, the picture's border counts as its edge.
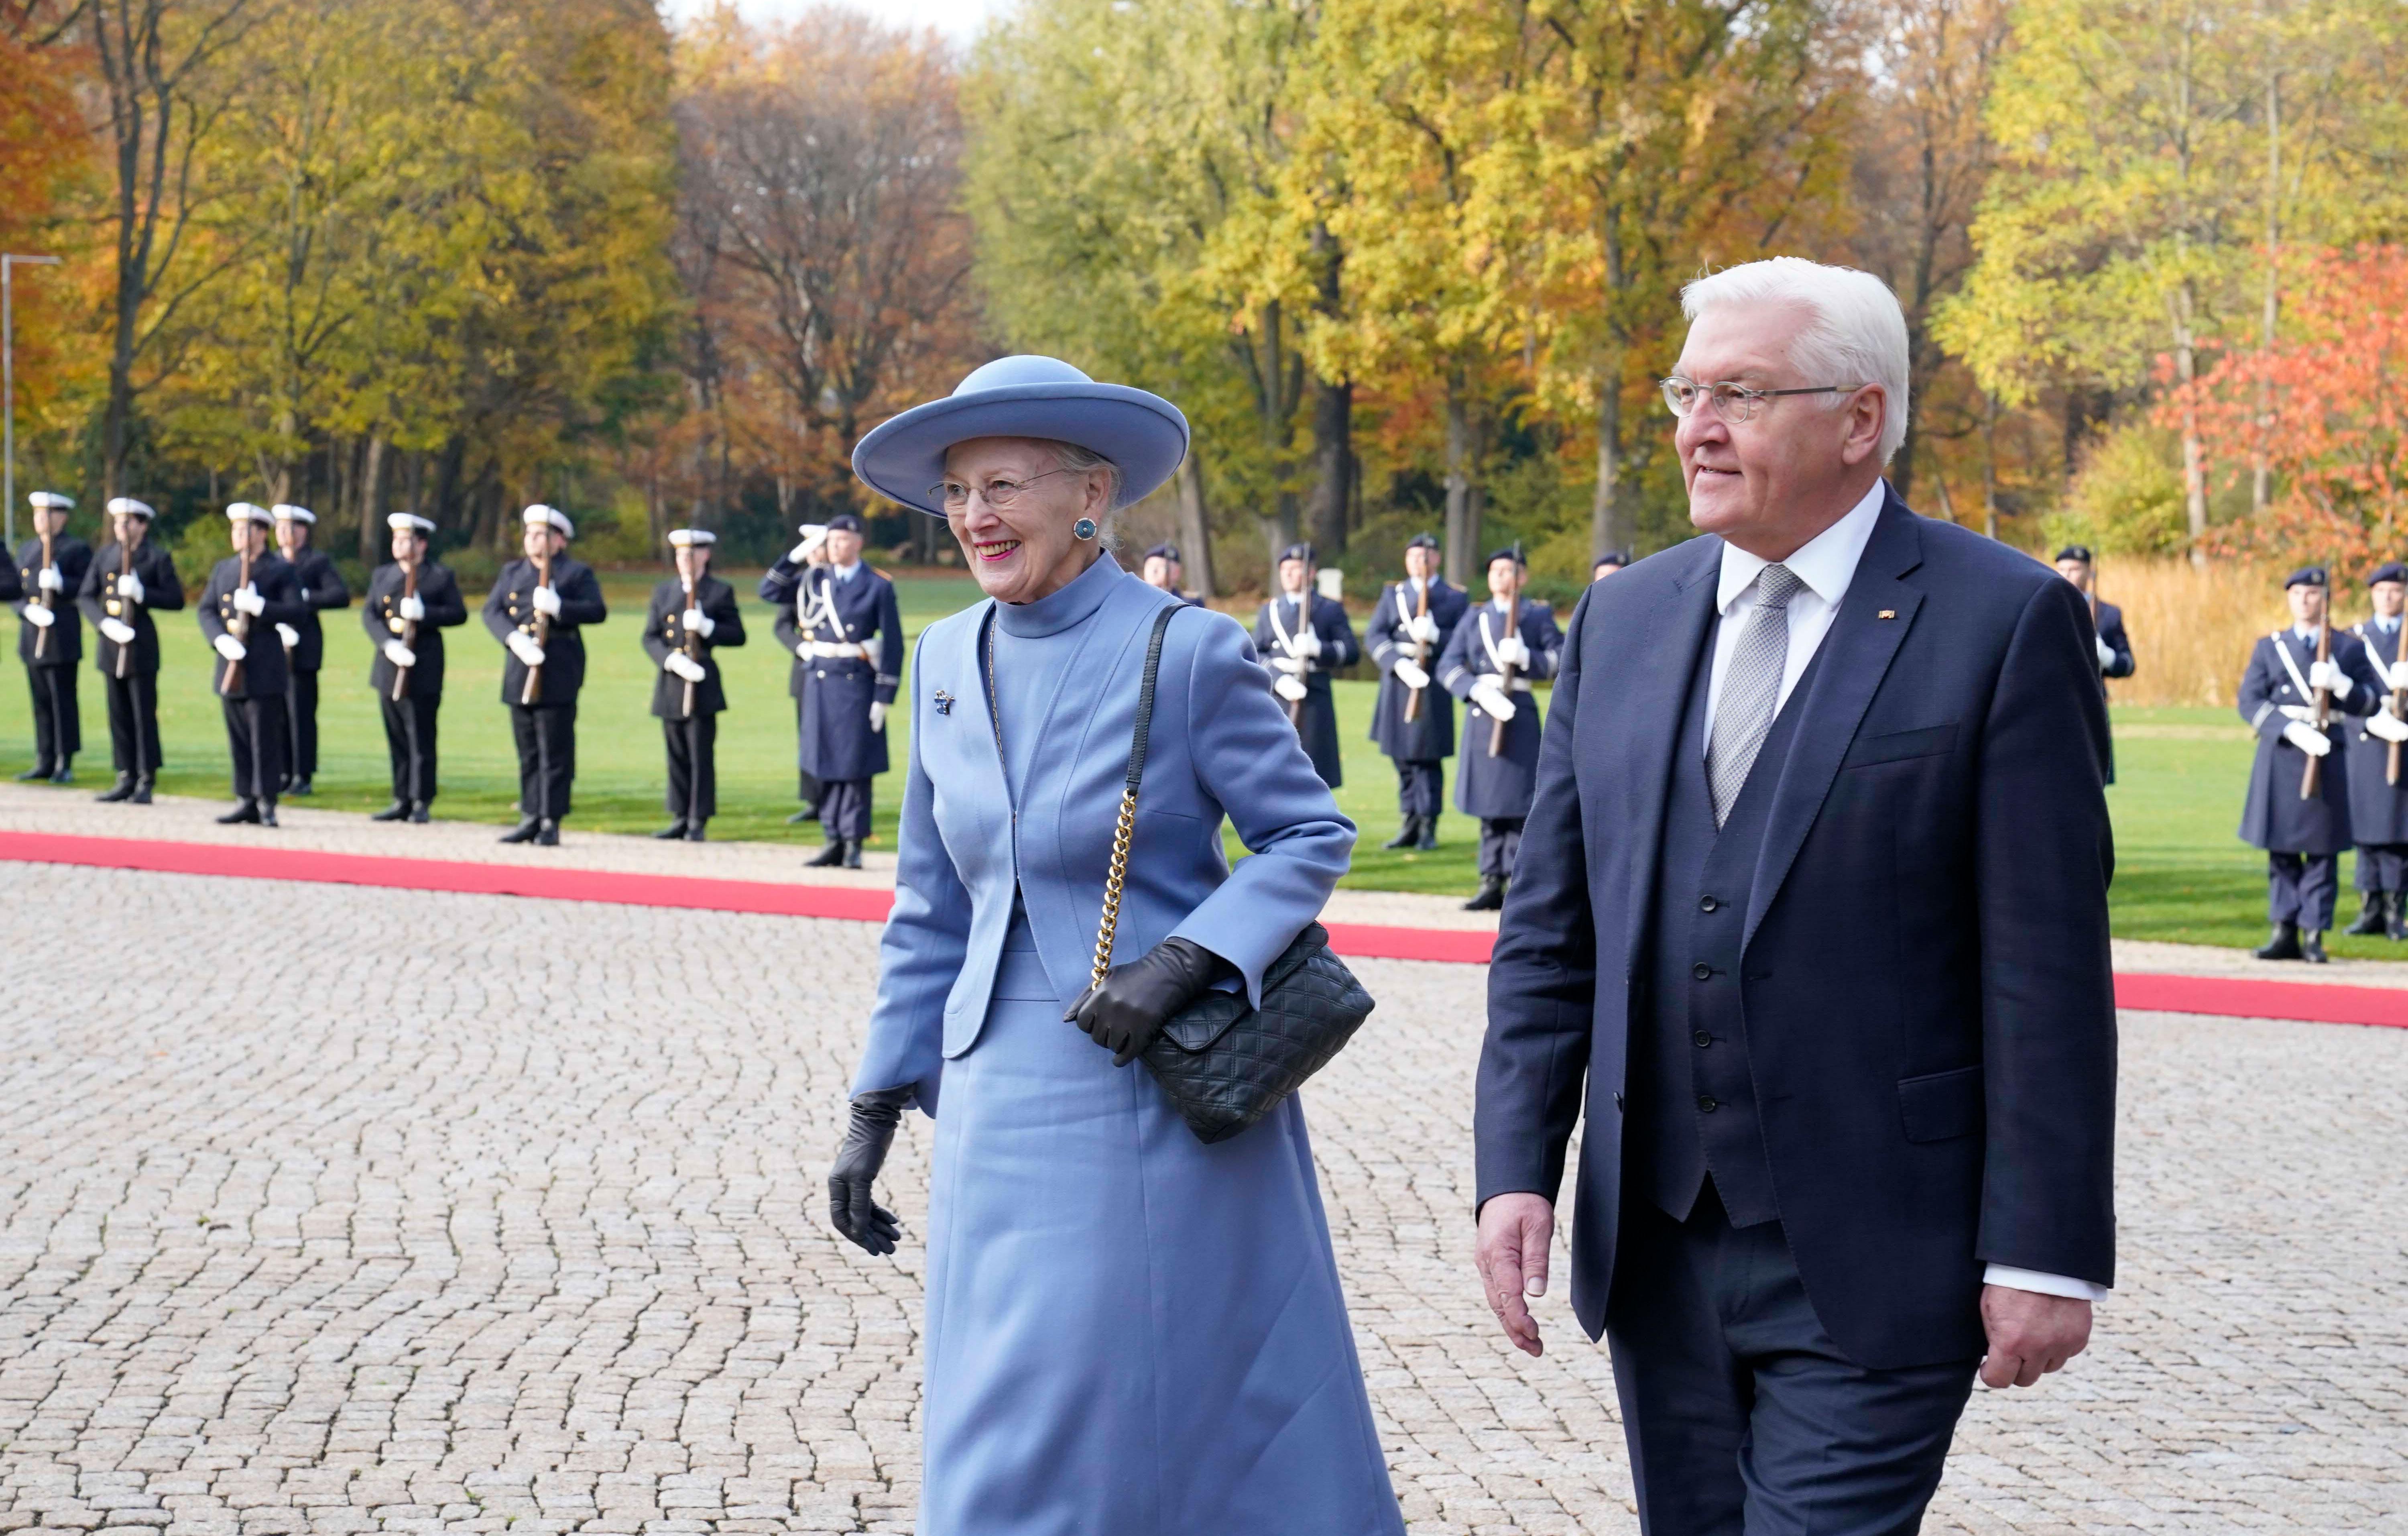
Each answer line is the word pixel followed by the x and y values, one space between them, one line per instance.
pixel 851 636
pixel 1495 653
pixel 782 588
pixel 127 581
pixel 2301 819
pixel 304 643
pixel 692 615
pixel 1163 568
pixel 1413 722
pixel 539 605
pixel 1607 564
pixel 2378 767
pixel 50 569
pixel 250 597
pixel 410 602
pixel 2075 563
pixel 1305 637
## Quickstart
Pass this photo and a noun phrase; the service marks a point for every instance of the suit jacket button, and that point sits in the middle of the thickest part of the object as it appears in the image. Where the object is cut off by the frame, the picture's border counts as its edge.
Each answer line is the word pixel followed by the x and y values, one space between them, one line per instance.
pixel 1707 904
pixel 1707 1104
pixel 1703 1039
pixel 1701 970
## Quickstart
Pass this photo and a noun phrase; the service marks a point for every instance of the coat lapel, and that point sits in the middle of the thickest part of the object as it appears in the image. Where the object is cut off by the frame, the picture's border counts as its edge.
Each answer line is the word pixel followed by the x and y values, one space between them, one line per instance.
pixel 1872 621
pixel 1658 696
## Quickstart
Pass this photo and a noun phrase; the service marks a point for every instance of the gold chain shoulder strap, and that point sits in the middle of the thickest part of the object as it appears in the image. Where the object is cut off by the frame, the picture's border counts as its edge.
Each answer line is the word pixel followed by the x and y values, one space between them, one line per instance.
pixel 1117 876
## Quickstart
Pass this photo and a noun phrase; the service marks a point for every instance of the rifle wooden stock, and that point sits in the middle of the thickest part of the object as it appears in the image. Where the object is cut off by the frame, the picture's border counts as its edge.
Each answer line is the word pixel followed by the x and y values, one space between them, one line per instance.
pixel 1505 674
pixel 693 645
pixel 238 626
pixel 1421 659
pixel 2312 775
pixel 533 691
pixel 42 594
pixel 408 631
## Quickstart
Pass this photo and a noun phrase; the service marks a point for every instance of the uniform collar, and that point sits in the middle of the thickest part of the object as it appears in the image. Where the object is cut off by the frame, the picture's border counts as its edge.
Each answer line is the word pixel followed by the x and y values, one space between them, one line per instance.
pixel 845 573
pixel 2389 627
pixel 2305 637
pixel 1826 563
pixel 1058 611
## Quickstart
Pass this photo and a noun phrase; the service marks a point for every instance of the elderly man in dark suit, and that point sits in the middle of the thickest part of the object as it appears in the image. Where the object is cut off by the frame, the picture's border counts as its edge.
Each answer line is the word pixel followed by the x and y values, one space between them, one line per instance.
pixel 1811 922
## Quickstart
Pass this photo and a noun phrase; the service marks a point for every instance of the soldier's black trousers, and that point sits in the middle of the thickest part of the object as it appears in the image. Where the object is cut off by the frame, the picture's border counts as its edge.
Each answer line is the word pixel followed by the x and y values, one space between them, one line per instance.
pixel 694 765
pixel 844 808
pixel 58 724
pixel 808 787
pixel 547 742
pixel 1418 786
pixel 2302 888
pixel 133 722
pixel 301 709
pixel 257 735
pixel 409 741
pixel 1500 839
pixel 2383 866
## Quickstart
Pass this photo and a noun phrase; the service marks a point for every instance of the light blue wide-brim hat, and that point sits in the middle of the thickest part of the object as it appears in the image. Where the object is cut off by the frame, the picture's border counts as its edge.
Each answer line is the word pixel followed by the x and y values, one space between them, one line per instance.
pixel 1024 397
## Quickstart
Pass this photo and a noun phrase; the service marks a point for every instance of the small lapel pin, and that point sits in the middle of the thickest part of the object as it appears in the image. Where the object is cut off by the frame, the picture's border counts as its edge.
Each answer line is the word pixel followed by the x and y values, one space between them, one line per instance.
pixel 944 702
pixel 1889 613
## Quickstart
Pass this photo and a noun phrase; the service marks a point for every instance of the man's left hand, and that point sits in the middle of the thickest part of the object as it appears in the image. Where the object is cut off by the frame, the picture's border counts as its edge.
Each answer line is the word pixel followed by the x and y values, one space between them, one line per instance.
pixel 2030 1334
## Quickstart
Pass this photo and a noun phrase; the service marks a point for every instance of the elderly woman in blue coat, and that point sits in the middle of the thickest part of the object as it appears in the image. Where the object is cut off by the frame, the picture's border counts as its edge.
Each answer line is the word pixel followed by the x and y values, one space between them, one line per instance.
pixel 1130 1333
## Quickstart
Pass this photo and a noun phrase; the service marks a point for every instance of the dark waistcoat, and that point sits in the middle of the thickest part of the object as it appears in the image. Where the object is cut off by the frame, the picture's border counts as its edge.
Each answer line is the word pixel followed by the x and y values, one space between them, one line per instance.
pixel 1694 1051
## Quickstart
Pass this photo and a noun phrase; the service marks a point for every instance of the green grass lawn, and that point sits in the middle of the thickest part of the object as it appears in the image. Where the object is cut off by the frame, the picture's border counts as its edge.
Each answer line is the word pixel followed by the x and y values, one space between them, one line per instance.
pixel 2180 874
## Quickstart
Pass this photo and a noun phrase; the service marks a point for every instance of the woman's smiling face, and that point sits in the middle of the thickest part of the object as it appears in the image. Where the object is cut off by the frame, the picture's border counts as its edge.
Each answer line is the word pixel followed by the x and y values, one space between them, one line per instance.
pixel 1026 549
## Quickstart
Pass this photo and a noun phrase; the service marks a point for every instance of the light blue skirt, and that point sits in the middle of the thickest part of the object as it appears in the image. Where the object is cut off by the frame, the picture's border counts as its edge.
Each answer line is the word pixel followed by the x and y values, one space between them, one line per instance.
pixel 1130 1333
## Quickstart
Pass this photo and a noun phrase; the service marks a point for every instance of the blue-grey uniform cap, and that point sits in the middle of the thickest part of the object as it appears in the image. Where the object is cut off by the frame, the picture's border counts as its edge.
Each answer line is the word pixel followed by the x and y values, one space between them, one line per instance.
pixel 1513 554
pixel 1166 552
pixel 2077 552
pixel 843 522
pixel 2306 576
pixel 2390 570
pixel 1297 552
pixel 1421 541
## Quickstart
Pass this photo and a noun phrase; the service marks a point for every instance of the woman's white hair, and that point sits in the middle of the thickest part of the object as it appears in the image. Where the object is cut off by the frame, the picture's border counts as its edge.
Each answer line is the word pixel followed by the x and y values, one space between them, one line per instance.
pixel 1072 456
pixel 1857 335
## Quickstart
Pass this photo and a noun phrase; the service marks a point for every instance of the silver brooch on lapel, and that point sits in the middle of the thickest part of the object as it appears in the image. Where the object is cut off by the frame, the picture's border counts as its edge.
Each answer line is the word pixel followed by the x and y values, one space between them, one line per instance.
pixel 944 702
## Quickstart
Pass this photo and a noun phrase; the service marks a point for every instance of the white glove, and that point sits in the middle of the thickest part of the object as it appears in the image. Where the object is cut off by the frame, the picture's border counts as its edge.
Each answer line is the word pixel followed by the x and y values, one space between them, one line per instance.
pixel 1425 628
pixel 229 648
pixel 1411 675
pixel 2389 726
pixel 1308 644
pixel 1289 665
pixel 803 650
pixel 684 666
pixel 809 547
pixel 877 715
pixel 2106 655
pixel 1492 700
pixel 248 601
pixel 290 636
pixel 49 580
pixel 1511 652
pixel 39 617
pixel 118 631
pixel 547 602
pixel 399 654
pixel 413 608
pixel 2307 738
pixel 129 586
pixel 2299 711
pixel 2329 676
pixel 1289 687
pixel 700 622
pixel 523 647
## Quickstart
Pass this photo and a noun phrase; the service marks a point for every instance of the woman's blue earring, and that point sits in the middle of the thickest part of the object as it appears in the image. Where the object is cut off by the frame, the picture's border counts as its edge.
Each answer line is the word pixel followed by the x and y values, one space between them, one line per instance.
pixel 1084 528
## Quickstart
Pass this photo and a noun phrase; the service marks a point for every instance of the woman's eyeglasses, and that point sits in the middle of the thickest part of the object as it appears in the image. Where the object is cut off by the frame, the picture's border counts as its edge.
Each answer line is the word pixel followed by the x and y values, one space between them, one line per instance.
pixel 954 496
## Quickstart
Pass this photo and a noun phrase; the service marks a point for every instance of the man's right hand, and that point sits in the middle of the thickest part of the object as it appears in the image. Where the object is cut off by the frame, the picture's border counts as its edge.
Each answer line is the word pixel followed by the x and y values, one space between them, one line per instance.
pixel 399 654
pixel 1511 1252
pixel 2307 738
pixel 523 647
pixel 39 617
pixel 118 631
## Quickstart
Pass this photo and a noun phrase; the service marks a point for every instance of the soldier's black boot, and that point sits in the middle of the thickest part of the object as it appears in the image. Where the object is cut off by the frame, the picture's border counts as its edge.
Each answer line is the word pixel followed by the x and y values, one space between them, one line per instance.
pixel 39 770
pixel 393 812
pixel 548 834
pixel 122 790
pixel 523 832
pixel 1429 834
pixel 808 813
pixel 267 813
pixel 141 794
pixel 672 831
pixel 1408 836
pixel 2312 947
pixel 2370 917
pixel 1491 897
pixel 66 775
pixel 2395 916
pixel 853 853
pixel 418 814
pixel 301 786
pixel 828 857
pixel 244 812
pixel 2283 945
pixel 693 829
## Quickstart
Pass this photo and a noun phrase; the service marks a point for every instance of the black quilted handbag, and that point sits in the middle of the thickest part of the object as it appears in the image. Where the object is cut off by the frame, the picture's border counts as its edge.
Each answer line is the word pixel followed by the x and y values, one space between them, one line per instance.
pixel 1224 1063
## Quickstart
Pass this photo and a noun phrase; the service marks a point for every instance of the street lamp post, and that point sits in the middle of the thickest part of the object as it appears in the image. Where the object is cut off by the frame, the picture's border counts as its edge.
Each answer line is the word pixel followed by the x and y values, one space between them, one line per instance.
pixel 9 262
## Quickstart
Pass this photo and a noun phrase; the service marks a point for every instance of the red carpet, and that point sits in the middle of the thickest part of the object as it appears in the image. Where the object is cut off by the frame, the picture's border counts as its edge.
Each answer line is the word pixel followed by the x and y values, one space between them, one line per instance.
pixel 2231 997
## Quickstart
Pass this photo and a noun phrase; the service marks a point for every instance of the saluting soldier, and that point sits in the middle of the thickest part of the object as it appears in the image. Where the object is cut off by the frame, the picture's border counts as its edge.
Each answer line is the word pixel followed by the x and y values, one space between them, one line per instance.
pixel 851 631
pixel 782 588
pixel 2303 836
pixel 410 602
pixel 50 569
pixel 1495 651
pixel 250 597
pixel 304 643
pixel 1413 722
pixel 2378 799
pixel 1163 568
pixel 128 581
pixel 1305 637
pixel 692 615
pixel 538 608
pixel 2075 563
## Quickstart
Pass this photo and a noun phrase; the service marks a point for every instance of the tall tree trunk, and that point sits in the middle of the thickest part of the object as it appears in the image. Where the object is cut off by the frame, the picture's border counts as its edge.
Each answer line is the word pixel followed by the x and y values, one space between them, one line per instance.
pixel 1196 528
pixel 1460 528
pixel 372 501
pixel 1333 433
pixel 2194 452
pixel 2261 471
pixel 1606 523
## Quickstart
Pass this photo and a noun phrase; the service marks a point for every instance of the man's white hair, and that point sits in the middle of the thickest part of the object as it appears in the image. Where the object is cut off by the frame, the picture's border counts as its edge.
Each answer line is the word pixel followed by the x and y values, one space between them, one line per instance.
pixel 1857 335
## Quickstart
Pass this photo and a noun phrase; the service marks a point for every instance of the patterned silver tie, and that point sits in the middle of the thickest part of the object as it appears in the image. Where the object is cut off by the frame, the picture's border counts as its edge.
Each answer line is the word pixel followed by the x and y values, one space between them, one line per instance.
pixel 1751 688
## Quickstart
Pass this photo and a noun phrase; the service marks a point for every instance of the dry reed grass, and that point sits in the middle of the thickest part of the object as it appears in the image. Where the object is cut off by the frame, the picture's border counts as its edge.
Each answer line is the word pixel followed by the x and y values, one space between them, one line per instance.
pixel 2192 627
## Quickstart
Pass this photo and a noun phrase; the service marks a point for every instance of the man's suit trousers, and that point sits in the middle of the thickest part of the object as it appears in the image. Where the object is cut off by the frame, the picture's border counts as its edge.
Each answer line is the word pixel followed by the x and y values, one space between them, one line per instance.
pixel 58 719
pixel 133 722
pixel 2302 888
pixel 257 735
pixel 409 743
pixel 547 743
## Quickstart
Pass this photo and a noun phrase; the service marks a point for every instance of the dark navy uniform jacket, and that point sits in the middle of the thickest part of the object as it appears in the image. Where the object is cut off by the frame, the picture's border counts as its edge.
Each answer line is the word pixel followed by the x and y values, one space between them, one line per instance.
pixel 2378 808
pixel 64 647
pixel 162 592
pixel 1430 736
pixel 381 616
pixel 265 671
pixel 321 588
pixel 836 742
pixel 1316 718
pixel 782 589
pixel 2273 817
pixel 1498 787
pixel 2111 629
pixel 665 632
pixel 511 605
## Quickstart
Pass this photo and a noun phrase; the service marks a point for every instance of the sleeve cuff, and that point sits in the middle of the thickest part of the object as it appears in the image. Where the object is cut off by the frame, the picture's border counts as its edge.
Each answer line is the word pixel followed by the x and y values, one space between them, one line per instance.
pixel 2044 1285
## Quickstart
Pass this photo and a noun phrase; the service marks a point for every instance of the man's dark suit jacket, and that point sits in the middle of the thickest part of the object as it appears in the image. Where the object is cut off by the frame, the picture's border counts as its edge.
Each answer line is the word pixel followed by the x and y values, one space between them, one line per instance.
pixel 1928 1003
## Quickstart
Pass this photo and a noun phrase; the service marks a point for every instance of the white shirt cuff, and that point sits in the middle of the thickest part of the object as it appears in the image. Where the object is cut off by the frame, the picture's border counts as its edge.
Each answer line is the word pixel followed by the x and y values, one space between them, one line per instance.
pixel 2044 1285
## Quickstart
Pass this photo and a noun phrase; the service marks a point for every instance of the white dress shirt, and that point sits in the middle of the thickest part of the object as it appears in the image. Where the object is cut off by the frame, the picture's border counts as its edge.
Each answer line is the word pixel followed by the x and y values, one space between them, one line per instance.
pixel 1826 565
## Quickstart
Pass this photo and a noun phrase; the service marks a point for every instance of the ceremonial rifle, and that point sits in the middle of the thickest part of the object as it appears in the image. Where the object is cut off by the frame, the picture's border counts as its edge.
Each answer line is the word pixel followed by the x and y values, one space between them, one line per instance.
pixel 239 625
pixel 124 568
pixel 42 594
pixel 1505 668
pixel 692 641
pixel 534 689
pixel 1421 657
pixel 1303 625
pixel 2310 775
pixel 408 628
pixel 2398 677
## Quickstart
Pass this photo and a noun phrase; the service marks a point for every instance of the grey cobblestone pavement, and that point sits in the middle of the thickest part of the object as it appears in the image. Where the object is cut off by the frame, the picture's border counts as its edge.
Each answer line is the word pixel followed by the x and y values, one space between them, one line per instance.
pixel 329 1210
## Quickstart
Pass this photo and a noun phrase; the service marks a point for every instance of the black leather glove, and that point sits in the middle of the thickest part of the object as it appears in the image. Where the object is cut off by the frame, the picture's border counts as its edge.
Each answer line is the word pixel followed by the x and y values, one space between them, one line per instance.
pixel 1129 1009
pixel 851 1210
